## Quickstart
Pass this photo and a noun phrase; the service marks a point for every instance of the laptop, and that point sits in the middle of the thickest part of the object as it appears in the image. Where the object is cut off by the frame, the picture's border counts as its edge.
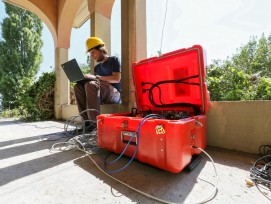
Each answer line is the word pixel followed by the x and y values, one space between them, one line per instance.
pixel 73 72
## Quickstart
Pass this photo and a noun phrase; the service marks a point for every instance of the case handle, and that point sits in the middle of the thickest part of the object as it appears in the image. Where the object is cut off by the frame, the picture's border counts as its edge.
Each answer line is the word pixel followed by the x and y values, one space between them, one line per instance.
pixel 129 138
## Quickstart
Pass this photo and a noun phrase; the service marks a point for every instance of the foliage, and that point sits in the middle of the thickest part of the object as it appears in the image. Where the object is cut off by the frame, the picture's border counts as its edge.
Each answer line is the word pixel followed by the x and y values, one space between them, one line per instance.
pixel 20 54
pixel 14 113
pixel 244 76
pixel 38 101
pixel 85 67
pixel 263 91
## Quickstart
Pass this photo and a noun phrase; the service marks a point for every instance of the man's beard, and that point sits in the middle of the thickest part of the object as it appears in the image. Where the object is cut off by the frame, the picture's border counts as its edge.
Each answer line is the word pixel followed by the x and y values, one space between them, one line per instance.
pixel 101 57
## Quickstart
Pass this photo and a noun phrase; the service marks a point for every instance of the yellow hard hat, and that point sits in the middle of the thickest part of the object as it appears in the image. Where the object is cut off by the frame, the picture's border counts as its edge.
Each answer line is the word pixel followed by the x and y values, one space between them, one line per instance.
pixel 93 42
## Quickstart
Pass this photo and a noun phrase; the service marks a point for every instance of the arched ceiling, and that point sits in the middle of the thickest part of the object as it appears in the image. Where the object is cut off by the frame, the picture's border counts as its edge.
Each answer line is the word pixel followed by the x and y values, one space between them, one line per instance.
pixel 61 16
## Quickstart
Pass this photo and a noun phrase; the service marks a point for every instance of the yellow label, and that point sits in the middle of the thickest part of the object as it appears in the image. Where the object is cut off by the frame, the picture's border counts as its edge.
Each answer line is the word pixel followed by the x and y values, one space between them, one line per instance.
pixel 160 130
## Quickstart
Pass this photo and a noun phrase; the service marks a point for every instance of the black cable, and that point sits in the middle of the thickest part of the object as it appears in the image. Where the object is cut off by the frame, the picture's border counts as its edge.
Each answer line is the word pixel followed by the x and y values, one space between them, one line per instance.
pixel 166 82
pixel 163 105
pixel 146 111
pixel 160 95
pixel 265 150
pixel 260 172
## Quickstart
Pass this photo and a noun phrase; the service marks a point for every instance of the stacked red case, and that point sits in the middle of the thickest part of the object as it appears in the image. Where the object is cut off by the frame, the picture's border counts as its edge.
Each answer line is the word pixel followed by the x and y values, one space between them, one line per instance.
pixel 173 87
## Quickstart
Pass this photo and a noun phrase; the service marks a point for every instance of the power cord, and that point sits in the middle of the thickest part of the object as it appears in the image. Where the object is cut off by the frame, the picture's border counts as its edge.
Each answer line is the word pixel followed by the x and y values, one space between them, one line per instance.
pixel 83 136
pixel 136 134
pixel 160 51
pixel 204 200
pixel 213 193
pixel 265 150
pixel 36 126
pixel 175 81
pixel 48 137
pixel 76 143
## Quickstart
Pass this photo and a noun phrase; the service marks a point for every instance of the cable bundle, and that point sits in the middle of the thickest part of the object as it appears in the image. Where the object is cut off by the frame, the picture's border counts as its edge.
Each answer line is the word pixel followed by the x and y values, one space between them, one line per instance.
pixel 176 81
pixel 261 169
pixel 77 143
pixel 265 150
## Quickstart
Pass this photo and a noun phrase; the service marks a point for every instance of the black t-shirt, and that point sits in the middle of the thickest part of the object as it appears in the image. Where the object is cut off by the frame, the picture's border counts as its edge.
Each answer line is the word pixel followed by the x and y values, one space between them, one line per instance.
pixel 111 65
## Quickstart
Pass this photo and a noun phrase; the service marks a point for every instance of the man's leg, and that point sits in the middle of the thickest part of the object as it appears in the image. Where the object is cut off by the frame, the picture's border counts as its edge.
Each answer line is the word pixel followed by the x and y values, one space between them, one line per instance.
pixel 109 94
pixel 91 90
pixel 80 95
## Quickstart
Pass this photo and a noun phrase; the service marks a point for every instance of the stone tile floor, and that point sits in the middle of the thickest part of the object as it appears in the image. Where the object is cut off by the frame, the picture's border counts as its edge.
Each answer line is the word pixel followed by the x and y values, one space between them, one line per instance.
pixel 31 173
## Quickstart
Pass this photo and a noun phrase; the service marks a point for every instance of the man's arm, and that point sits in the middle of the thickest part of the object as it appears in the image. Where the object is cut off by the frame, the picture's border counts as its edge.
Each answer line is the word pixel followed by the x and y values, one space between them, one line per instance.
pixel 115 78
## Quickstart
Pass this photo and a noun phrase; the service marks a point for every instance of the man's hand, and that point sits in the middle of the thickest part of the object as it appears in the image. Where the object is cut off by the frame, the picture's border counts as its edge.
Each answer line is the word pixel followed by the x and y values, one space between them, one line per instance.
pixel 90 76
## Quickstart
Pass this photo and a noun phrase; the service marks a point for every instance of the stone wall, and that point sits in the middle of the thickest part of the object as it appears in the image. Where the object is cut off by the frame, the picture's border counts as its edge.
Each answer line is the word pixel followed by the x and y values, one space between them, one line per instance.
pixel 241 126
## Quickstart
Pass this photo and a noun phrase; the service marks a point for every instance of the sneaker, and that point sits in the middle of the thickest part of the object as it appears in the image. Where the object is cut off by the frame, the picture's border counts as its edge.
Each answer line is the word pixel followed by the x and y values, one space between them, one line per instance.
pixel 90 126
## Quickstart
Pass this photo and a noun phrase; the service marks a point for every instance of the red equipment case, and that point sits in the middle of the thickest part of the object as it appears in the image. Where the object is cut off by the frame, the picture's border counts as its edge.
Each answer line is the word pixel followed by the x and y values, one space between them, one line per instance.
pixel 173 86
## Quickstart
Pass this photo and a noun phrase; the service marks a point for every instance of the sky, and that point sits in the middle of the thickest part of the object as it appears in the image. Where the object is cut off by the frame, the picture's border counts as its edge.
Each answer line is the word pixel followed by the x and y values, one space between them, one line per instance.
pixel 219 26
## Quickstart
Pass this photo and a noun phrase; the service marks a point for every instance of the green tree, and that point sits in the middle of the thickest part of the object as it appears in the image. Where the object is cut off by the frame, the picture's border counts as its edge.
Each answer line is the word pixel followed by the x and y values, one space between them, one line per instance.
pixel 254 57
pixel 227 83
pixel 20 54
pixel 85 68
pixel 38 101
pixel 244 76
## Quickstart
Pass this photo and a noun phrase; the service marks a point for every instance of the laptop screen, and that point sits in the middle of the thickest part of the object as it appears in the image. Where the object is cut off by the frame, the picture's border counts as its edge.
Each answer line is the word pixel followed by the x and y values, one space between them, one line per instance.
pixel 72 70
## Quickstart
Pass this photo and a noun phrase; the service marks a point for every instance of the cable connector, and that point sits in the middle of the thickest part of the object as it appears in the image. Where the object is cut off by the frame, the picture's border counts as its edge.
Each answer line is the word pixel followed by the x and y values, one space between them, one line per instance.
pixel 198 123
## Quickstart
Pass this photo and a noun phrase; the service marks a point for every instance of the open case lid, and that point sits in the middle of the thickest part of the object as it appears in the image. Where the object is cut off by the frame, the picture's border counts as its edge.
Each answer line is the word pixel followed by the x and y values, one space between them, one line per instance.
pixel 173 81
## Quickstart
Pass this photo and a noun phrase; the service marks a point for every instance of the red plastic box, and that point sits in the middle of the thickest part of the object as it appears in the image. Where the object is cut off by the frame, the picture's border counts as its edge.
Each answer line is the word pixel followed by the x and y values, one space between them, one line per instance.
pixel 173 87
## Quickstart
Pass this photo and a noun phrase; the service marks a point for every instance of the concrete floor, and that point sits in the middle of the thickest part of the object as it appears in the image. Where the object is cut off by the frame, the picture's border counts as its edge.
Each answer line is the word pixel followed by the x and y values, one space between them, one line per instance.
pixel 30 173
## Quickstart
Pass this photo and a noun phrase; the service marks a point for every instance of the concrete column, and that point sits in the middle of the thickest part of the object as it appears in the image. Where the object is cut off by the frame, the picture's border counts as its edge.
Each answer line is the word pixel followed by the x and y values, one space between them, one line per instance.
pixel 62 91
pixel 133 43
pixel 100 26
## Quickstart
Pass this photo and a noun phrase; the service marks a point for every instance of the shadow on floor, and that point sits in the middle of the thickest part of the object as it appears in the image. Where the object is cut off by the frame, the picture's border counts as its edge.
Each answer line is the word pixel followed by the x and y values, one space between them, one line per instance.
pixel 4 122
pixel 17 141
pixel 37 145
pixel 232 158
pixel 174 188
pixel 23 169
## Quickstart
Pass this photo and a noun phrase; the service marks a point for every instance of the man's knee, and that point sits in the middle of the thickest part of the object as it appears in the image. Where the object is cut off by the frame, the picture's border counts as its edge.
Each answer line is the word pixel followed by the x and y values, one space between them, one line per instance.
pixel 76 88
pixel 91 86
